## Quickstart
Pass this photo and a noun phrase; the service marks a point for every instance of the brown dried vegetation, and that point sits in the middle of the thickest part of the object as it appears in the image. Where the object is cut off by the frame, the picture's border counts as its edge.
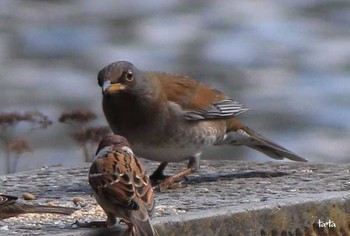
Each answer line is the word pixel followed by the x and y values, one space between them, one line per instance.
pixel 77 116
pixel 33 117
pixel 85 136
pixel 15 147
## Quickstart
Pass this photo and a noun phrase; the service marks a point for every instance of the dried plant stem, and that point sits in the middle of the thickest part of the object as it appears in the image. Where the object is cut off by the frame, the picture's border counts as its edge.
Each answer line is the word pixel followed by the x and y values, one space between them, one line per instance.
pixel 15 163
pixel 8 160
pixel 86 152
pixel 84 136
pixel 15 147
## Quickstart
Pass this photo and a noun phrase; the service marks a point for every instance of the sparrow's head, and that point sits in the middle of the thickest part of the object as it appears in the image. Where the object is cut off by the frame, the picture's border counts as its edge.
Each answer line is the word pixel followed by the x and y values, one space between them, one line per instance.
pixel 110 141
pixel 120 76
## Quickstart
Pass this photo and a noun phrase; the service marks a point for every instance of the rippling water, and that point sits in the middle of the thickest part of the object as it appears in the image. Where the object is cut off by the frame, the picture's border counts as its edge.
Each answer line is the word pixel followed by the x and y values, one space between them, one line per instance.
pixel 288 60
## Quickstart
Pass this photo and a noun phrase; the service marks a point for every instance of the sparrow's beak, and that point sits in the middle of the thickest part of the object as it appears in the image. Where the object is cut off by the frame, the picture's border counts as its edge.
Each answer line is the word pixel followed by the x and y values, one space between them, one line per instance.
pixel 109 88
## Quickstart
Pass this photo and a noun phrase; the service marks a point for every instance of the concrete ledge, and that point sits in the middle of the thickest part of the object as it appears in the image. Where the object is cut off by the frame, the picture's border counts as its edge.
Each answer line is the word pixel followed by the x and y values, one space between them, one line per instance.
pixel 223 198
pixel 302 215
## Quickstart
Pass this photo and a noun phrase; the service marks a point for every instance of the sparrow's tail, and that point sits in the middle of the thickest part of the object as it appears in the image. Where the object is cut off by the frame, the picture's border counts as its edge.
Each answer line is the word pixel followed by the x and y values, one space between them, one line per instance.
pixel 144 228
pixel 250 138
pixel 48 209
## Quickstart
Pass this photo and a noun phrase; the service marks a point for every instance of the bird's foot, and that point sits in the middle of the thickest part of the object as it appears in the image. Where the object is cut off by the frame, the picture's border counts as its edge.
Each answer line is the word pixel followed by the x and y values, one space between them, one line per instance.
pixel 169 183
pixel 158 178
pixel 158 175
pixel 161 181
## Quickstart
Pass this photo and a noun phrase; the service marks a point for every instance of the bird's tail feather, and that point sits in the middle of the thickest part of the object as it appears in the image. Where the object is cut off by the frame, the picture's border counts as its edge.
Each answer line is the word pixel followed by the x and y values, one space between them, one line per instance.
pixel 49 209
pixel 144 228
pixel 250 138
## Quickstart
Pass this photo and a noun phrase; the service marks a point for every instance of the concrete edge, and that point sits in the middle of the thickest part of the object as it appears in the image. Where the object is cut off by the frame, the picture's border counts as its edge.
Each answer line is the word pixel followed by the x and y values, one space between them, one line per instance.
pixel 295 215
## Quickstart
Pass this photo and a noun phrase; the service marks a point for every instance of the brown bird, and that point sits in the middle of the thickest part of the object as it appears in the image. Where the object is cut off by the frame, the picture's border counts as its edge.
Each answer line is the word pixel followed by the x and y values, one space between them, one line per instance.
pixel 9 207
pixel 121 186
pixel 172 118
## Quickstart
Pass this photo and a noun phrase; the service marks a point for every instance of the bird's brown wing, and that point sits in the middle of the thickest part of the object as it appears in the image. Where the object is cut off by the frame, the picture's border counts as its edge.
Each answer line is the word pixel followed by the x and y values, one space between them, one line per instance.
pixel 119 177
pixel 198 101
pixel 10 208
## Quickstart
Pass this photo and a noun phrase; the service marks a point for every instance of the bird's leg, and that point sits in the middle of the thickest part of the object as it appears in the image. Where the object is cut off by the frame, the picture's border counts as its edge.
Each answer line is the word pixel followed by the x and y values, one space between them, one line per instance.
pixel 193 166
pixel 158 174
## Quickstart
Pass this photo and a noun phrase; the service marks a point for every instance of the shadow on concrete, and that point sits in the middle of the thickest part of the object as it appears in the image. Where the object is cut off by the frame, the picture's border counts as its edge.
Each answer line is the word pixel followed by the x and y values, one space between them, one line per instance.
pixel 231 176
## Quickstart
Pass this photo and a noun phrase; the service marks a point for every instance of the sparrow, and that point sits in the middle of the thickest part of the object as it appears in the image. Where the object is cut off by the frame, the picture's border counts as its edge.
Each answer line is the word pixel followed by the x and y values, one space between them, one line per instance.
pixel 9 207
pixel 171 118
pixel 121 186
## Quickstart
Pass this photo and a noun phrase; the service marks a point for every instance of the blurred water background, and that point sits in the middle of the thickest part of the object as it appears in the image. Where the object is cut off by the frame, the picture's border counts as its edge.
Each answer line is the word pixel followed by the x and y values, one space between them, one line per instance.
pixel 287 59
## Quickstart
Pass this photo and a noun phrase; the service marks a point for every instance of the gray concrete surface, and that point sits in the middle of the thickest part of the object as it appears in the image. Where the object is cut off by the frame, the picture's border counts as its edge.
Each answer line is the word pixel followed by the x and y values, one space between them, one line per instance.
pixel 223 198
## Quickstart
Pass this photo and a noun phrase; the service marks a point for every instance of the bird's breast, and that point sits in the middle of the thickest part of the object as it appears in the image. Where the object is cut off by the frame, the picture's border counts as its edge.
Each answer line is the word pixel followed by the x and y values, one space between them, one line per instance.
pixel 179 142
pixel 161 133
pixel 129 117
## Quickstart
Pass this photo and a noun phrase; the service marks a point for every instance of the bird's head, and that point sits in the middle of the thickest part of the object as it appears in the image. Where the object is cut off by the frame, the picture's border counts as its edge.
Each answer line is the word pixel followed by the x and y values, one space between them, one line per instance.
pixel 112 141
pixel 121 77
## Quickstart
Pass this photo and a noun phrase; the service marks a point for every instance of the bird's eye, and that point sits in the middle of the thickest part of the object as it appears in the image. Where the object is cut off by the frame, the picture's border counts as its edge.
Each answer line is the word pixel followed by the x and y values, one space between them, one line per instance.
pixel 129 76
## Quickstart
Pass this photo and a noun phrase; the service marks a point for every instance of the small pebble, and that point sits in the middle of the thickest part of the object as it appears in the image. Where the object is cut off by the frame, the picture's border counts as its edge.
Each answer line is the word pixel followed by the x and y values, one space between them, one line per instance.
pixel 29 196
pixel 49 203
pixel 5 228
pixel 79 201
pixel 264 199
pixel 3 179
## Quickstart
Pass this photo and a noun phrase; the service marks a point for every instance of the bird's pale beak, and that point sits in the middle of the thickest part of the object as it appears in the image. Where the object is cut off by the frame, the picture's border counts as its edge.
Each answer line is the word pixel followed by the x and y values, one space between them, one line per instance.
pixel 109 88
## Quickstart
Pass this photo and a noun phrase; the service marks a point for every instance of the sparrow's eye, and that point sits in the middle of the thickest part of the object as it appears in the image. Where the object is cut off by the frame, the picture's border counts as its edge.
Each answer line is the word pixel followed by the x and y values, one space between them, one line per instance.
pixel 129 76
